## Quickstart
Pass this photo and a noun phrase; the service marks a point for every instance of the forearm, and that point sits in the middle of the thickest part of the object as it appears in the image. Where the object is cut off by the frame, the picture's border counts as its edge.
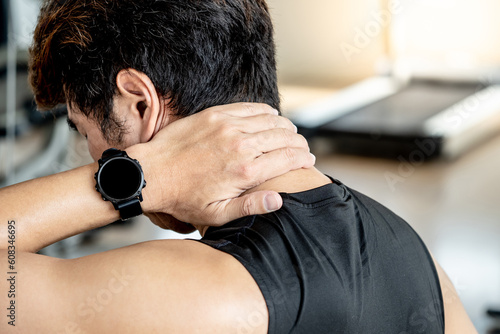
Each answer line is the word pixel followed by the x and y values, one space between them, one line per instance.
pixel 52 208
pixel 195 169
pixel 55 207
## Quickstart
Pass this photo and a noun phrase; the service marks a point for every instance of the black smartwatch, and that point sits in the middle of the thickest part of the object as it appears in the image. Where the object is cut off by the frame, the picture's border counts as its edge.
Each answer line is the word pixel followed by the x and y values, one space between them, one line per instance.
pixel 120 180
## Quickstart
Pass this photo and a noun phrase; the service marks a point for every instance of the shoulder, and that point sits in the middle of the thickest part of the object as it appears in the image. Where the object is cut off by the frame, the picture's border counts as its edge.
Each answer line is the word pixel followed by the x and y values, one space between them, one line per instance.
pixel 176 286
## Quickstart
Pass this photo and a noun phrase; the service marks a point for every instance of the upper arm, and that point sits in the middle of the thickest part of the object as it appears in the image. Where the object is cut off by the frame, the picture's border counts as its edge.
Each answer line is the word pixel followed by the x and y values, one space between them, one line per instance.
pixel 455 316
pixel 164 286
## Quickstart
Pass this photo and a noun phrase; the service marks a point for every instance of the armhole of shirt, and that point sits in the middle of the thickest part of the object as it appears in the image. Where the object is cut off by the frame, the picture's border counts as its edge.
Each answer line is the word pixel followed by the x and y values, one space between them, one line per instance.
pixel 261 283
pixel 436 276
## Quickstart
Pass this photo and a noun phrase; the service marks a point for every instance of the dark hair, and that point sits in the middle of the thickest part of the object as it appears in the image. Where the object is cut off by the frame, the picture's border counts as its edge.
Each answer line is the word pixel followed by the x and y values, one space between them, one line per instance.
pixel 198 53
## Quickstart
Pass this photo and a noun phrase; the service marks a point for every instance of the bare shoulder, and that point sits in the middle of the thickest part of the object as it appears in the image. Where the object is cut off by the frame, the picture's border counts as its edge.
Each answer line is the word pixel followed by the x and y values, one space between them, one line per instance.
pixel 455 316
pixel 168 286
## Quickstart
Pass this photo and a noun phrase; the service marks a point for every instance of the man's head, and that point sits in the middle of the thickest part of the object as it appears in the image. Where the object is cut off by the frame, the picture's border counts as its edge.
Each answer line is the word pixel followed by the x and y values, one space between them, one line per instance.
pixel 109 58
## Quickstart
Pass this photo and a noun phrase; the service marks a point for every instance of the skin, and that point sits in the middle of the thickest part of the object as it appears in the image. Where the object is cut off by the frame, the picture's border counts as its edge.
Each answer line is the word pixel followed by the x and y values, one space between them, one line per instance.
pixel 232 169
pixel 167 286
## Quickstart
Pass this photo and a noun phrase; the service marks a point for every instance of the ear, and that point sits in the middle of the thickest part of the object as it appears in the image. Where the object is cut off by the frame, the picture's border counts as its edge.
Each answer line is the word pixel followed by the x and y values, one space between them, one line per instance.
pixel 138 103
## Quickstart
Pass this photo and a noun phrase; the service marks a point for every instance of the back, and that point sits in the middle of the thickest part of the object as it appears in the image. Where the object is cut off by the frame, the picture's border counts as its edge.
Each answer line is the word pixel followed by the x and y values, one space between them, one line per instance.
pixel 334 261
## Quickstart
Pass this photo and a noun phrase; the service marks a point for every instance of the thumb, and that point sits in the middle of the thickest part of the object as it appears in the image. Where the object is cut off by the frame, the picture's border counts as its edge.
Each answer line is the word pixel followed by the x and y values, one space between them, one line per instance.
pixel 257 203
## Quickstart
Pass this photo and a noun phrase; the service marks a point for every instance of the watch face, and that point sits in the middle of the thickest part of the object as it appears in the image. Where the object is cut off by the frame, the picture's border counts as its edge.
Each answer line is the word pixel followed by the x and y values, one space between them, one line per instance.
pixel 120 178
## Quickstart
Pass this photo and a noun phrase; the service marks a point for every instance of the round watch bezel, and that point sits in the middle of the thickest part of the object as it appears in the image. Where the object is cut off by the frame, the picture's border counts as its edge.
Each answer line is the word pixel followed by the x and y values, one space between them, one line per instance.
pixel 105 194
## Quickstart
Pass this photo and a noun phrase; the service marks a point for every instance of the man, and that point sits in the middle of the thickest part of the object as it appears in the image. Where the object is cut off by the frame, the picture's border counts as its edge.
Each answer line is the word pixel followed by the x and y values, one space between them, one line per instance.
pixel 331 260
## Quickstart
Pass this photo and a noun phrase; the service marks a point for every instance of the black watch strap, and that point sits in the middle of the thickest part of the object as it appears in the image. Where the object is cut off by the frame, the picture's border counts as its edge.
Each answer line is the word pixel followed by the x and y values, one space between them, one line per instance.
pixel 129 209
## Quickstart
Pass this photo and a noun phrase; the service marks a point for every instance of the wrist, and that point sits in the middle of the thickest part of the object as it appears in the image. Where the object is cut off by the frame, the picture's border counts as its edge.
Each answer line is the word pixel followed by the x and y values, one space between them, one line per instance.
pixel 157 176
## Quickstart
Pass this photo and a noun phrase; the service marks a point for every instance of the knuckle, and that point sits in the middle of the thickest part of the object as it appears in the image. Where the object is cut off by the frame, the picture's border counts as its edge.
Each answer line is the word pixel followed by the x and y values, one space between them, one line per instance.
pixel 292 139
pixel 256 108
pixel 287 137
pixel 281 122
pixel 250 107
pixel 261 139
pixel 240 144
pixel 248 207
pixel 247 172
pixel 212 116
pixel 274 121
pixel 226 129
pixel 289 154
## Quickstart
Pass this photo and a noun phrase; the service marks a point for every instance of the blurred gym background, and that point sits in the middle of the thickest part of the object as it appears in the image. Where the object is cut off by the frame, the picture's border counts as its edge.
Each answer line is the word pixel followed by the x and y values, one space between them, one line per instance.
pixel 399 99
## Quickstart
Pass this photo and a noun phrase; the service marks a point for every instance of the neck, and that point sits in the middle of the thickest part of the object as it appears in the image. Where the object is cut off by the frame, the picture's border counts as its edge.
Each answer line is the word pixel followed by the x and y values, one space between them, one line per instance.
pixel 291 182
pixel 294 181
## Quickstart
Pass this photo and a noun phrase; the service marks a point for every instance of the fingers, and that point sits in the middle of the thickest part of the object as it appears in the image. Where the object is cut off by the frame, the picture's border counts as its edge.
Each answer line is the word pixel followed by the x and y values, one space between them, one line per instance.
pixel 169 222
pixel 274 139
pixel 259 202
pixel 263 122
pixel 220 153
pixel 281 161
pixel 245 109
pixel 244 117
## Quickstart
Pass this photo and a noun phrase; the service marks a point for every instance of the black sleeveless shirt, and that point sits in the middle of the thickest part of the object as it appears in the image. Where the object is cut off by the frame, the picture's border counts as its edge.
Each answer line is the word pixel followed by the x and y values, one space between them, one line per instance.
pixel 332 260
